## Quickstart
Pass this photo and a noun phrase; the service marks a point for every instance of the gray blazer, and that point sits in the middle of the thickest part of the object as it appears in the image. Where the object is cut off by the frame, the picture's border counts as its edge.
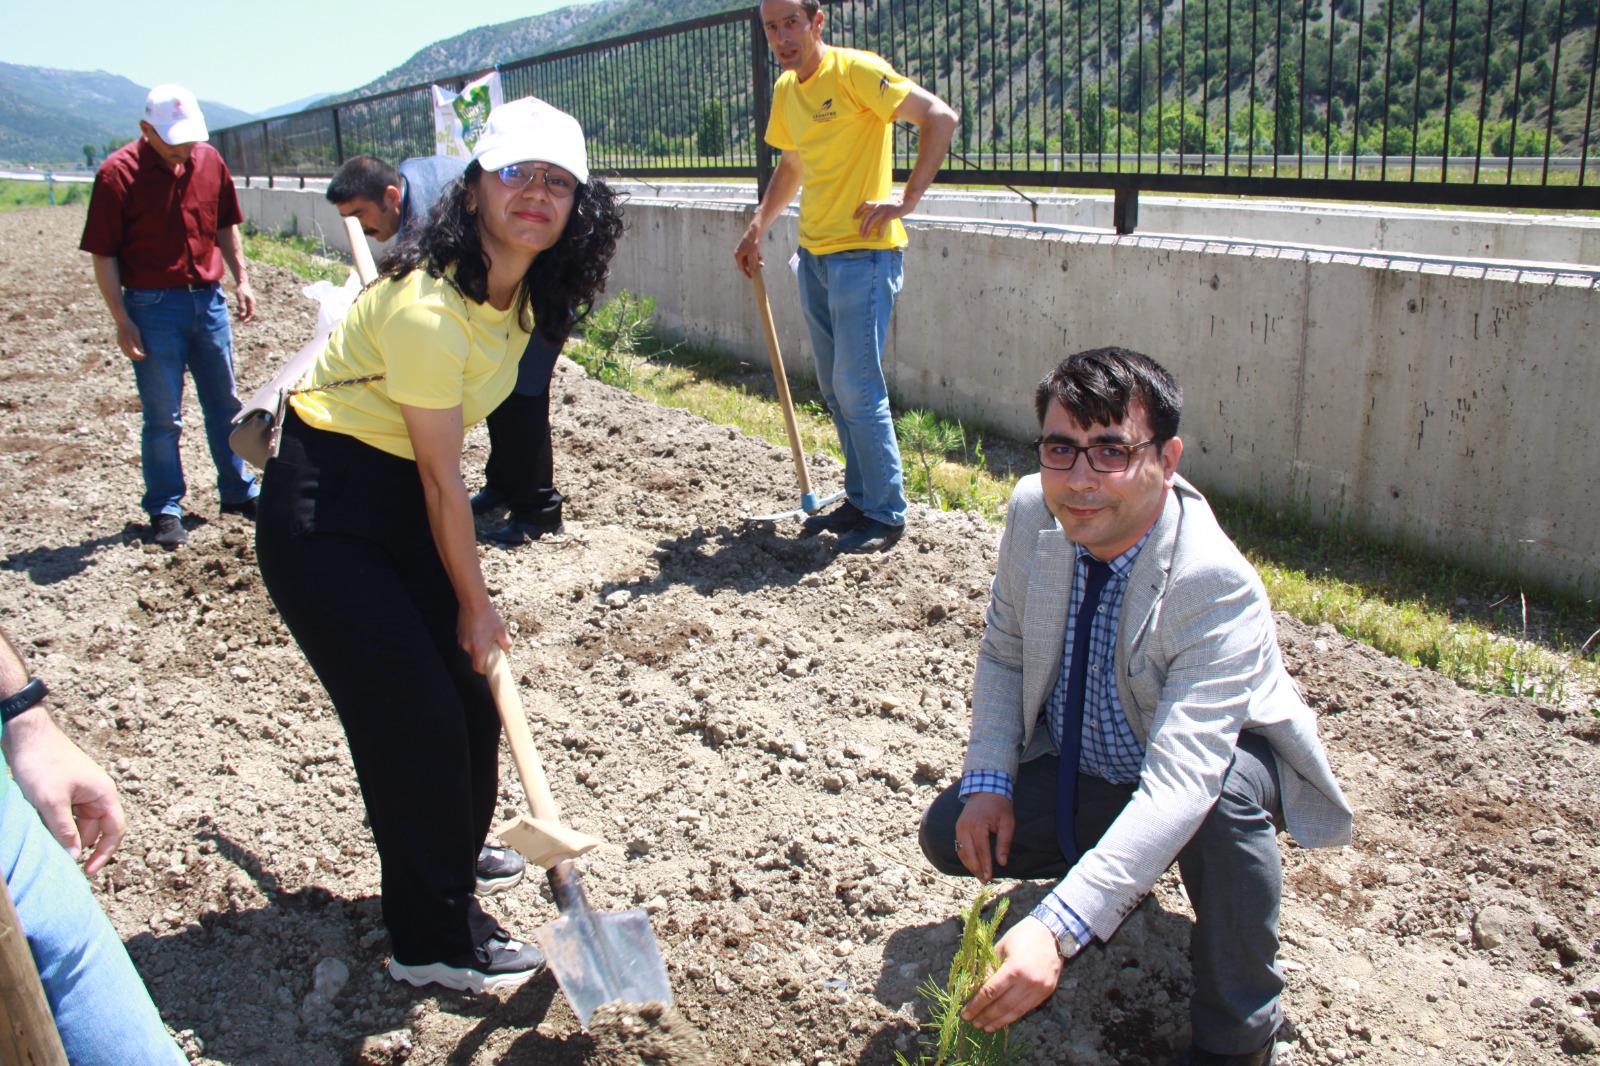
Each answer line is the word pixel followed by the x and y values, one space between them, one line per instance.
pixel 1196 662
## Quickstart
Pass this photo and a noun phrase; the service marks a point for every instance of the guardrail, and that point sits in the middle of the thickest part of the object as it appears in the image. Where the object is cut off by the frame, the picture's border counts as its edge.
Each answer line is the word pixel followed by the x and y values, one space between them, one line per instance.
pixel 1449 102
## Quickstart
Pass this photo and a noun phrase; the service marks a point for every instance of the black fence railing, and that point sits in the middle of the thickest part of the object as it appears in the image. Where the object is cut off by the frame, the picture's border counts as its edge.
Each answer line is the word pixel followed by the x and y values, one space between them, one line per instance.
pixel 1451 102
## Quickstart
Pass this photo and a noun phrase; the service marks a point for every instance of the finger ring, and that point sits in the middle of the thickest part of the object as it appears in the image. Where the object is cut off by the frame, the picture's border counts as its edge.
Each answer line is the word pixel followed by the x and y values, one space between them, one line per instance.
pixel 958 845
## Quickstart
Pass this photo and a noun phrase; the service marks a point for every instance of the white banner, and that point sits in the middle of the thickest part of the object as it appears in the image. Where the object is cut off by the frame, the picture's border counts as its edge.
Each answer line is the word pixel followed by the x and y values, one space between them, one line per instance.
pixel 459 118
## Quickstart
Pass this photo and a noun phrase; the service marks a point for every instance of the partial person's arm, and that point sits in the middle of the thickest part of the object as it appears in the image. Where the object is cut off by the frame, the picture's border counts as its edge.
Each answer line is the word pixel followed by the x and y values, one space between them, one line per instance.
pixel 74 797
pixel 232 249
pixel 936 126
pixel 108 276
pixel 436 437
pixel 781 191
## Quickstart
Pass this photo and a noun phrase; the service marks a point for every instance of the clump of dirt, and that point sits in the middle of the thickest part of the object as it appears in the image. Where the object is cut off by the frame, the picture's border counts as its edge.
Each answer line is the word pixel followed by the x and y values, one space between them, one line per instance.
pixel 752 724
pixel 645 1034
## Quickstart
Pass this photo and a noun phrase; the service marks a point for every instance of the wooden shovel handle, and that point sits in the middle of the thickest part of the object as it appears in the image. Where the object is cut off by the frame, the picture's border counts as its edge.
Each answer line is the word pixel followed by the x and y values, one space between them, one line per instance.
pixel 781 379
pixel 360 253
pixel 28 1034
pixel 529 770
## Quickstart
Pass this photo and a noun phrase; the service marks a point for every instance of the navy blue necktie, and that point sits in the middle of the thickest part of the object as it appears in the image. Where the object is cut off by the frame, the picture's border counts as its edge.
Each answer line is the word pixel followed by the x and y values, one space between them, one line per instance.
pixel 1072 709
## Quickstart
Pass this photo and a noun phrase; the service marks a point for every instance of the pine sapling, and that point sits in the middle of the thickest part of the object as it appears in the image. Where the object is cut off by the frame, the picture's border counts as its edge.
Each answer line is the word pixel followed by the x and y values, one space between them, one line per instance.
pixel 957 1042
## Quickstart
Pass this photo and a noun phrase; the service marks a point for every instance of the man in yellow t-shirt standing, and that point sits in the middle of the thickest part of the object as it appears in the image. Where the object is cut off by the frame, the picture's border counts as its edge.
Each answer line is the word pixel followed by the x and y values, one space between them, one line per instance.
pixel 833 113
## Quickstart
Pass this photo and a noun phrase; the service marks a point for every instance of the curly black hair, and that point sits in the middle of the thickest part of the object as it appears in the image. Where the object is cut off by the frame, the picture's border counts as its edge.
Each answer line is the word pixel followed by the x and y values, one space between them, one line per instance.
pixel 560 287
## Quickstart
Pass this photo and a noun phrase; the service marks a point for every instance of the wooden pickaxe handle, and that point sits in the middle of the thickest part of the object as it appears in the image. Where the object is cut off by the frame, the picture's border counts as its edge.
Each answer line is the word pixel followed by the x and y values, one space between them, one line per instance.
pixel 781 379
pixel 27 1028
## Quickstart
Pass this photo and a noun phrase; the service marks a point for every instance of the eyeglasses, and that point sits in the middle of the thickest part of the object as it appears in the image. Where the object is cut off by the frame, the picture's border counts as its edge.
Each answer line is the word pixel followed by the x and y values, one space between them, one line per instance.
pixel 519 176
pixel 1103 458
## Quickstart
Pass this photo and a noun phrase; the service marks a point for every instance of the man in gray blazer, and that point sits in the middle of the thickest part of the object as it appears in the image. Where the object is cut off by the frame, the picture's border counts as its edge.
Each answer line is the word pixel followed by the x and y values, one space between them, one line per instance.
pixel 1129 678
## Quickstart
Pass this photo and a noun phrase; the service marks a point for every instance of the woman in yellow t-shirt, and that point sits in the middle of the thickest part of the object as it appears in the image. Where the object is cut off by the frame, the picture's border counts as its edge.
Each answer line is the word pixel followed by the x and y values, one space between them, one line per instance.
pixel 365 534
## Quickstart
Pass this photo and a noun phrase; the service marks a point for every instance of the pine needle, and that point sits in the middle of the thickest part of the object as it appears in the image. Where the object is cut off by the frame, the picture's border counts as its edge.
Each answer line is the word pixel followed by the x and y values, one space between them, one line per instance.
pixel 957 1042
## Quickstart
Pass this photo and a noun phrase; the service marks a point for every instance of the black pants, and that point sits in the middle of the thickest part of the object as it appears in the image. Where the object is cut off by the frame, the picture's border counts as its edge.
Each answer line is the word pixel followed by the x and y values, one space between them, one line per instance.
pixel 1231 868
pixel 522 461
pixel 346 553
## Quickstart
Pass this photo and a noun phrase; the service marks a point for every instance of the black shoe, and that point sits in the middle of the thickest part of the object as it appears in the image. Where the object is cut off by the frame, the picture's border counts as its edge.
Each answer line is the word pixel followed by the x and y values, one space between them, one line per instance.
pixel 1195 1055
pixel 499 962
pixel 489 501
pixel 244 508
pixel 514 533
pixel 498 869
pixel 838 520
pixel 867 535
pixel 167 530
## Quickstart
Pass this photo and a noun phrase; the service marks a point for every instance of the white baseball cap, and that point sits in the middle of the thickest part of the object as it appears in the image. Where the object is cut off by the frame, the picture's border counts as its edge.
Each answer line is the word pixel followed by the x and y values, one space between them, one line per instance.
pixel 530 129
pixel 175 114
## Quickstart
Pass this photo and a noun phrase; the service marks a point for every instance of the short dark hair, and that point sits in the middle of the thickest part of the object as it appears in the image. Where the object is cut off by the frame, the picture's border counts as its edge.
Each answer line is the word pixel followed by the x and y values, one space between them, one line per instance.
pixel 561 285
pixel 362 177
pixel 811 6
pixel 1100 385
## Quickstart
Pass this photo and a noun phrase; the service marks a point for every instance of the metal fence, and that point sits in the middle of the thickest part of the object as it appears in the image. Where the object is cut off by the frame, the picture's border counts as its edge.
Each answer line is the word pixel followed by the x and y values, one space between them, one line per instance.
pixel 1450 102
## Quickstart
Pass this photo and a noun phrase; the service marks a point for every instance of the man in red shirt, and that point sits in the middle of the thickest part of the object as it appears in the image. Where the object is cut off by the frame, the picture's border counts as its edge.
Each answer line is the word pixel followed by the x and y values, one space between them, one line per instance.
pixel 163 219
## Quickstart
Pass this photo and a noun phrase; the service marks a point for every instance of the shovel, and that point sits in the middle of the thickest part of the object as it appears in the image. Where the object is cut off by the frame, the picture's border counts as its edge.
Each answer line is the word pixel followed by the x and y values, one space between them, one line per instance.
pixel 597 958
pixel 809 504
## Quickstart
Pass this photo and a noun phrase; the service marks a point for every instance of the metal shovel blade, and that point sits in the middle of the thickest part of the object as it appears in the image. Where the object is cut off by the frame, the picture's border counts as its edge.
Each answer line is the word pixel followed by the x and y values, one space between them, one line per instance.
pixel 808 505
pixel 605 959
pixel 601 958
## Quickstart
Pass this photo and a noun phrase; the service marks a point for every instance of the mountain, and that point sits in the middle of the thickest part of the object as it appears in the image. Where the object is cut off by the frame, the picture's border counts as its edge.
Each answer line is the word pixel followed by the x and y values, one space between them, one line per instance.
pixel 48 115
pixel 290 108
pixel 505 42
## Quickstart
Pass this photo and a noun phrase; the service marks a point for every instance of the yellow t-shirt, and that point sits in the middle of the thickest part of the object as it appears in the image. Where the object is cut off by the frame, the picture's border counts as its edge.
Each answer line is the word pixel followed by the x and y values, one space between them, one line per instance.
pixel 840 121
pixel 435 348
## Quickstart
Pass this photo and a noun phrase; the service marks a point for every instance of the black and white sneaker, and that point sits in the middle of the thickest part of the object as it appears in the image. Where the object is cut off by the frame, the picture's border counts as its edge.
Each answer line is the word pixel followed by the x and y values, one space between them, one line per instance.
pixel 497 963
pixel 498 870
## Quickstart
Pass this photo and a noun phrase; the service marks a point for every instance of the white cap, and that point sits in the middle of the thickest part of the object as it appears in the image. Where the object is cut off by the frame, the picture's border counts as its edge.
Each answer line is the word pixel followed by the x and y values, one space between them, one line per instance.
pixel 175 114
pixel 532 130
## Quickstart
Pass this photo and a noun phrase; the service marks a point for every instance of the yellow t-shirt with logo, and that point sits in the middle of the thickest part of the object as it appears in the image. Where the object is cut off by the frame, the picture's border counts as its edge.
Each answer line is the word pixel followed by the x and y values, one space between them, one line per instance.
pixel 435 348
pixel 840 121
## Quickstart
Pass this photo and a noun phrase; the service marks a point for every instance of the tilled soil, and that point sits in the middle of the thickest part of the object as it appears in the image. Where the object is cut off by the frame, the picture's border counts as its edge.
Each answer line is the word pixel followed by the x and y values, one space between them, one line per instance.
pixel 754 726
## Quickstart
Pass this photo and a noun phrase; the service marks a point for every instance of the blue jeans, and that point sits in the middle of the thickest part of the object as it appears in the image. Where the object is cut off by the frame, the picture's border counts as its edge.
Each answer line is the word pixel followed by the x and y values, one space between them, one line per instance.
pixel 185 330
pixel 102 1011
pixel 847 298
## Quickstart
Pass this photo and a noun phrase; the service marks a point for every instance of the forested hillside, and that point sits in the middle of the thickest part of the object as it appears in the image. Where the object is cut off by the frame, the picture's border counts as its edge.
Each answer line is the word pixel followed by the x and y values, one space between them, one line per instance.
pixel 505 42
pixel 1040 82
pixel 1370 74
pixel 1096 75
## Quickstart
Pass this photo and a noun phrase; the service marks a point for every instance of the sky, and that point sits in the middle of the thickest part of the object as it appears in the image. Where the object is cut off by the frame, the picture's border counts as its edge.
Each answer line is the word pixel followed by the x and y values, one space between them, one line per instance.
pixel 249 56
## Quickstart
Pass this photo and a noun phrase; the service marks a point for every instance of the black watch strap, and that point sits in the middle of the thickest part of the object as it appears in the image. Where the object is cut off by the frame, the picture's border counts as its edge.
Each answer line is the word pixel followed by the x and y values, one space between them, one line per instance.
pixel 22 699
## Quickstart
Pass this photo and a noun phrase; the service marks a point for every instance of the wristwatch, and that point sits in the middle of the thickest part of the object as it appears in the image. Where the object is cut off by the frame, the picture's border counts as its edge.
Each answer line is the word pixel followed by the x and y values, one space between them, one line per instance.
pixel 1068 946
pixel 22 699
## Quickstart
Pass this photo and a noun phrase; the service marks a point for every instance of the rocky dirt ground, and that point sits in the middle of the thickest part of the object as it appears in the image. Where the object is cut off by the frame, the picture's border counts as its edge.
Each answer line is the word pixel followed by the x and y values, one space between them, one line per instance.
pixel 752 724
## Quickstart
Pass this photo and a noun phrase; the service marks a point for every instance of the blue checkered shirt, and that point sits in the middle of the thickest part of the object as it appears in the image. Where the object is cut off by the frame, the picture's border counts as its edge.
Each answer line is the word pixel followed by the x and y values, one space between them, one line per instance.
pixel 1110 751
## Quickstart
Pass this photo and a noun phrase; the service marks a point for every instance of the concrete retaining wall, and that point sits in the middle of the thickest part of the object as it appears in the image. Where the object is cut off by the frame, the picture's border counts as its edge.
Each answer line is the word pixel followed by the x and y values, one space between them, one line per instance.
pixel 1442 402
pixel 304 212
pixel 1500 235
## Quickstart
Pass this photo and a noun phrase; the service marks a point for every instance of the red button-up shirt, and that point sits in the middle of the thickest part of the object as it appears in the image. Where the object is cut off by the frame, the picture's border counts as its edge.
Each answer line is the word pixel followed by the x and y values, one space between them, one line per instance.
pixel 161 227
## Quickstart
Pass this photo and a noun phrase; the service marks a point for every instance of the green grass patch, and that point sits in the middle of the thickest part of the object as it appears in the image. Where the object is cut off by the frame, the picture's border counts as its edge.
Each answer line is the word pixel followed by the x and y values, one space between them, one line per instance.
pixel 1484 631
pixel 305 256
pixel 948 465
pixel 16 195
